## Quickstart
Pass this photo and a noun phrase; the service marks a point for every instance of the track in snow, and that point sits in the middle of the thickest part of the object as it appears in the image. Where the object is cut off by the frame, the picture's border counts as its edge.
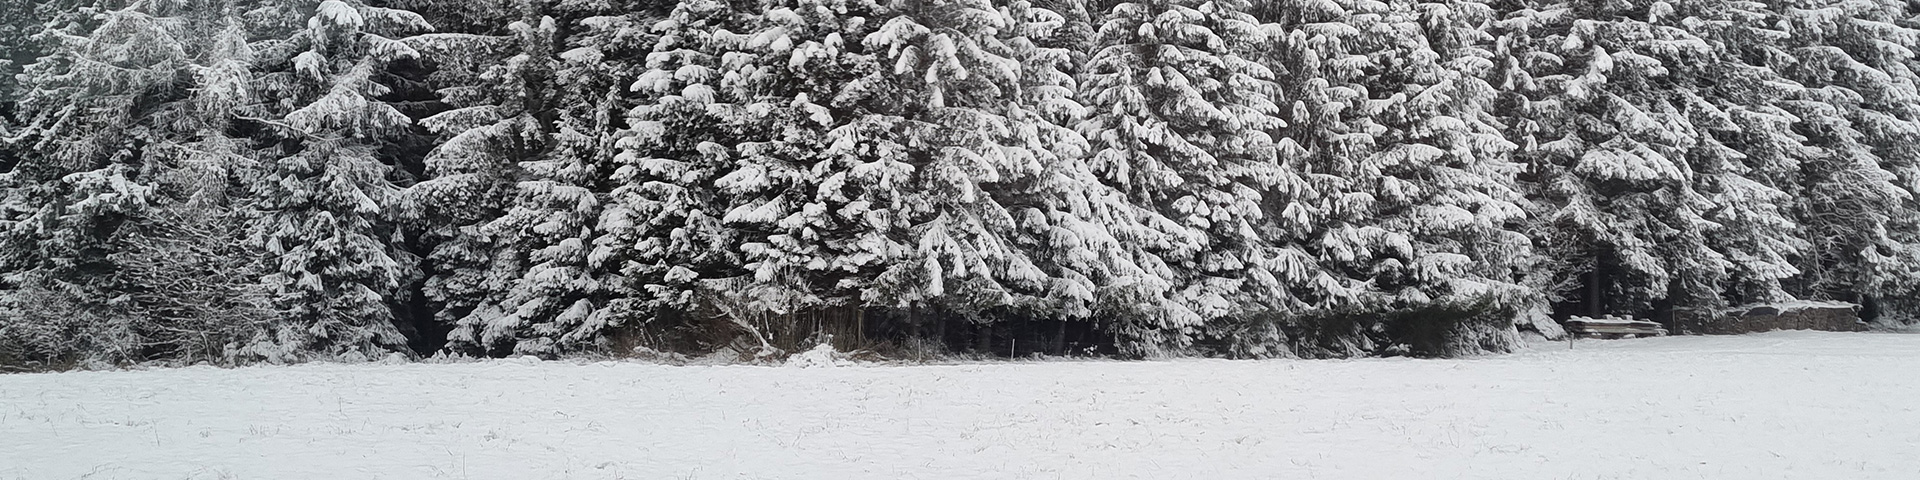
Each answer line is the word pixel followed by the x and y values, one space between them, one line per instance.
pixel 1787 405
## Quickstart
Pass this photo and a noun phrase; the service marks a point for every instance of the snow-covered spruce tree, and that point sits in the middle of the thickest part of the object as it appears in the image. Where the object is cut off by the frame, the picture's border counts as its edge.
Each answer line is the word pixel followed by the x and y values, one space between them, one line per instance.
pixel 1727 236
pixel 1858 112
pixel 1181 125
pixel 477 17
pixel 87 111
pixel 1404 207
pixel 1070 223
pixel 987 194
pixel 324 199
pixel 1522 46
pixel 662 230
pixel 808 245
pixel 1606 150
pixel 54 255
pixel 1311 47
pixel 195 267
pixel 19 20
pixel 949 165
pixel 121 246
pixel 558 297
pixel 1745 156
pixel 501 89
pixel 1428 206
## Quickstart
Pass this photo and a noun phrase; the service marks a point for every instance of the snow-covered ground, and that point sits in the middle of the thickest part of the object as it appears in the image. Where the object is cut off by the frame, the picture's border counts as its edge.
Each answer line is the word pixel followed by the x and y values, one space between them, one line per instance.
pixel 1788 405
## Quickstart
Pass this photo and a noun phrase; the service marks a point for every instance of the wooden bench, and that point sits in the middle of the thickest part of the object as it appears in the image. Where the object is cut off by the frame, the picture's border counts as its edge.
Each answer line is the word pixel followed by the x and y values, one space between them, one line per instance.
pixel 1613 327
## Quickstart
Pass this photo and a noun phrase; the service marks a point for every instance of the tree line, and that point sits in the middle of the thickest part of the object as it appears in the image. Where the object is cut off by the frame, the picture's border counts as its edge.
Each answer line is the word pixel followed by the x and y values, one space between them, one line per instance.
pixel 238 181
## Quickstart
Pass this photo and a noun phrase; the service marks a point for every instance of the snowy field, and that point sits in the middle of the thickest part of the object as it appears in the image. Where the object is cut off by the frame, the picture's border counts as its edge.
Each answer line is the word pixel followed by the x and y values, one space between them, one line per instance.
pixel 1788 405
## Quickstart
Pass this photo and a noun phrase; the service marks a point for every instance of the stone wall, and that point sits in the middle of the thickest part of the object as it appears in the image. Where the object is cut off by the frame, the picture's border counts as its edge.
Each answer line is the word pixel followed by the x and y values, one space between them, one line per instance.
pixel 1827 316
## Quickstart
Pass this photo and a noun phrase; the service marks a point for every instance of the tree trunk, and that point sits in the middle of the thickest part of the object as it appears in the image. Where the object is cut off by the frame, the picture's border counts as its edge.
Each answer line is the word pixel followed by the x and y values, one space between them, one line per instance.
pixel 1060 339
pixel 1595 308
pixel 984 335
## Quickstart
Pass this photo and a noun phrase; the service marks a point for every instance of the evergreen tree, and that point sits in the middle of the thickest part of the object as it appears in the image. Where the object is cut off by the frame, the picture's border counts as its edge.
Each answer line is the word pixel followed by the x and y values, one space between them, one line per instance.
pixel 662 228
pixel 1323 47
pixel 961 164
pixel 1434 194
pixel 1182 126
pixel 1070 223
pixel 115 215
pixel 1745 156
pixel 21 23
pixel 18 22
pixel 325 197
pixel 1856 202
pixel 91 108
pixel 1307 44
pixel 808 244
pixel 476 17
pixel 1406 205
pixel 558 288
pixel 1607 152
pixel 500 88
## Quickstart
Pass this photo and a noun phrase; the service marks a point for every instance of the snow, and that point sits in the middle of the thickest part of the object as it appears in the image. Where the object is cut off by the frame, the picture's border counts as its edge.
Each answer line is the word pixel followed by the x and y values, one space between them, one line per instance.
pixel 821 356
pixel 1799 405
pixel 1612 320
pixel 1794 306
